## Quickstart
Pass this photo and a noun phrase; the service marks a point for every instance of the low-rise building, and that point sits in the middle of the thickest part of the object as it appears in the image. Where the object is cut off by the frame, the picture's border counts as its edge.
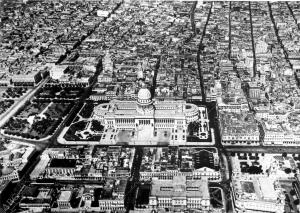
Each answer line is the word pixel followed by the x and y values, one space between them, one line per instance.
pixel 179 194
pixel 282 130
pixel 64 199
pixel 61 167
pixel 9 173
pixel 84 163
pixel 257 194
pixel 36 198
pixel 239 129
pixel 29 79
pixel 13 161
pixel 196 163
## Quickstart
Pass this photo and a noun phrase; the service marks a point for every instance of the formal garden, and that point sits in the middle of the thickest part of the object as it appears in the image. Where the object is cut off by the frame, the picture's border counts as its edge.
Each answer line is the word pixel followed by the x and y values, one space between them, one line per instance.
pixel 37 120
pixel 5 105
pixel 14 92
pixel 9 96
pixel 83 127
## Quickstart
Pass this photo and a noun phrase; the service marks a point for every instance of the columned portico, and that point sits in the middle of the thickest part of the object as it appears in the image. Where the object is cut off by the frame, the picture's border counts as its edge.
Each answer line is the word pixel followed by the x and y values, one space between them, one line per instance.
pixel 148 121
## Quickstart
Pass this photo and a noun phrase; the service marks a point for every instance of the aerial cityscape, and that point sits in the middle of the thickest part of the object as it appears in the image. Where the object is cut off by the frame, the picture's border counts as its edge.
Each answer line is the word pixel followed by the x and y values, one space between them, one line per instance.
pixel 149 106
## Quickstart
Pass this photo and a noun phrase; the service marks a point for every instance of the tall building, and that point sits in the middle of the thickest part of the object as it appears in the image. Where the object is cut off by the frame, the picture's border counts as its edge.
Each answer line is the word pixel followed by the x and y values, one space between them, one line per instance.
pixel 147 119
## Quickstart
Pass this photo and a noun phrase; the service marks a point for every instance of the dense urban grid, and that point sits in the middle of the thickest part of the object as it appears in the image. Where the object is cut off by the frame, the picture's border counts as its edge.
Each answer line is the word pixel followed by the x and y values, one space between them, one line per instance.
pixel 149 106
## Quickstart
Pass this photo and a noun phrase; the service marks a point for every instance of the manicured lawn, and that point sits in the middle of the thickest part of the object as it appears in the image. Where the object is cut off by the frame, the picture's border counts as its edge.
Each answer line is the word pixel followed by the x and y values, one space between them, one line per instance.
pixel 58 110
pixel 30 109
pixel 79 126
pixel 87 110
pixel 96 126
pixel 36 121
pixel 39 129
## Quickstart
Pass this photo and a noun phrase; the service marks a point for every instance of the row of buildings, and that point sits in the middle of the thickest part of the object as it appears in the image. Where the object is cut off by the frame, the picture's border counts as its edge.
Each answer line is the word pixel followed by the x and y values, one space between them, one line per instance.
pixel 257 181
pixel 166 163
pixel 49 32
pixel 179 179
pixel 84 163
pixel 147 44
pixel 108 196
pixel 13 161
pixel 260 96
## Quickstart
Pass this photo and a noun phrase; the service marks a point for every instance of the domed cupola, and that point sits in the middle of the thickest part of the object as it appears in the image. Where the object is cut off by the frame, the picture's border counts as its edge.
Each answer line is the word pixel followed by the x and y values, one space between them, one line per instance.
pixel 144 97
pixel 144 102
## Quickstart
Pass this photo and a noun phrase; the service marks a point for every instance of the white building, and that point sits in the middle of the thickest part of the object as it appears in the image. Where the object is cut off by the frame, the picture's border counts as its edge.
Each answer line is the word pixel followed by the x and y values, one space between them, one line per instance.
pixel 27 79
pixel 261 47
pixel 257 194
pixel 109 204
pixel 108 65
pixel 9 173
pixel 281 137
pixel 14 161
pixel 56 72
pixel 179 194
pixel 37 203
pixel 147 120
pixel 282 129
pixel 195 163
pixel 206 172
pixel 64 199
pixel 102 13
pixel 262 191
pixel 238 105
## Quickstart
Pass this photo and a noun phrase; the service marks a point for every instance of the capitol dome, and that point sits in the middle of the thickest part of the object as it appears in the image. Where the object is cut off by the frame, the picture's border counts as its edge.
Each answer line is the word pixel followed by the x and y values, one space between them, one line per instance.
pixel 144 96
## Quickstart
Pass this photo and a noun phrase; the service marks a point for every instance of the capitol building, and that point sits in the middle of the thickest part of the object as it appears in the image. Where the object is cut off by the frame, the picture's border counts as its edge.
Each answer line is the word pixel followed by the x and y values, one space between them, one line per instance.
pixel 150 121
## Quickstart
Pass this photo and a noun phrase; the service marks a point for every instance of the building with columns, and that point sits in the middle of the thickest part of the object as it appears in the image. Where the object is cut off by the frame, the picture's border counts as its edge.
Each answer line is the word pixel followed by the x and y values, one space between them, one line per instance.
pixel 180 194
pixel 147 119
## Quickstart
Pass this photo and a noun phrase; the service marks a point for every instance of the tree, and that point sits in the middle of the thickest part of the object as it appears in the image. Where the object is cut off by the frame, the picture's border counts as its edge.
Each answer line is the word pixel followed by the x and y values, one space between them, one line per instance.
pixel 296 202
pixel 193 127
pixel 292 192
pixel 287 170
pixel 254 170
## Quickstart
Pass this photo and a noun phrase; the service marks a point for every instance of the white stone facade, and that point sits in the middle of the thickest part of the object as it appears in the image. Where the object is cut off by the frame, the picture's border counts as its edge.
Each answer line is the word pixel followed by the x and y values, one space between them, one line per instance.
pixel 146 115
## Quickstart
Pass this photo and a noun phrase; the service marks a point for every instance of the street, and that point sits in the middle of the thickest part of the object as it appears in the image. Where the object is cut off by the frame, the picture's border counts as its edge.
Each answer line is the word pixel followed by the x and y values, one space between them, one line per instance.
pixel 264 149
pixel 7 115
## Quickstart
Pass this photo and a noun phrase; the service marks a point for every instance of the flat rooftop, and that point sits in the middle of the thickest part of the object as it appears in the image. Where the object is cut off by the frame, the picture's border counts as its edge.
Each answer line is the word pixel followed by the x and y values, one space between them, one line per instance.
pixel 267 189
pixel 180 187
pixel 63 163
pixel 65 196
pixel 256 188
